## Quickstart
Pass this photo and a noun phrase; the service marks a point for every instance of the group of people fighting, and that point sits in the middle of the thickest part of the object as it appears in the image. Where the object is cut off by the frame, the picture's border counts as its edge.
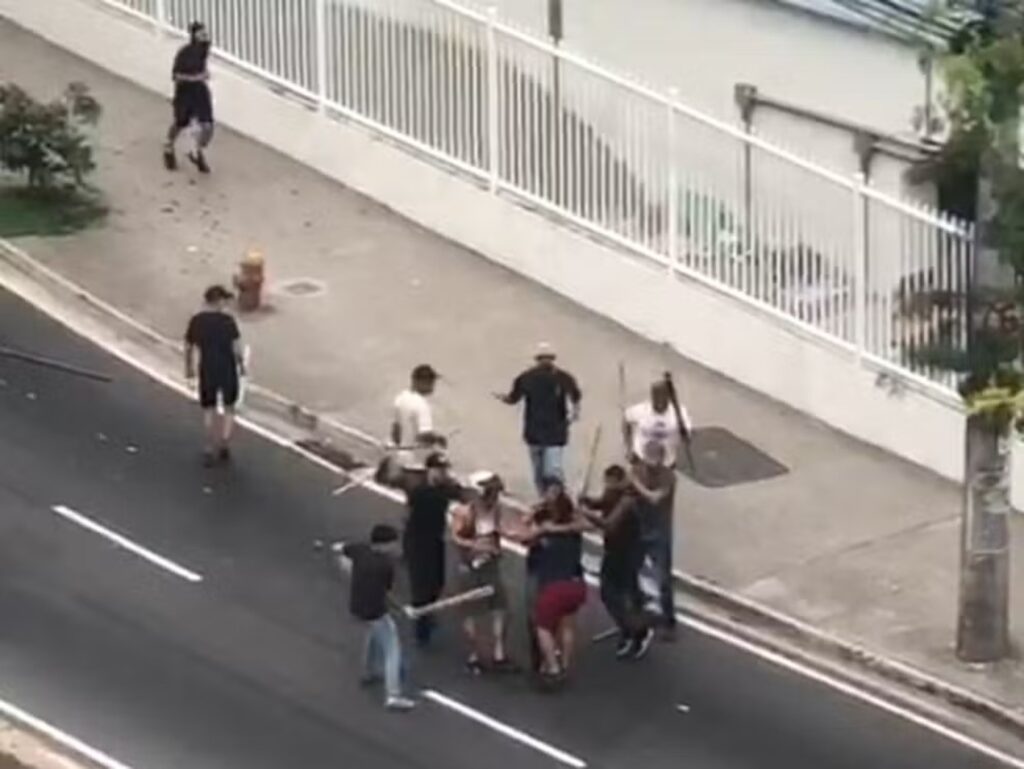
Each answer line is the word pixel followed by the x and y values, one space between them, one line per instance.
pixel 632 512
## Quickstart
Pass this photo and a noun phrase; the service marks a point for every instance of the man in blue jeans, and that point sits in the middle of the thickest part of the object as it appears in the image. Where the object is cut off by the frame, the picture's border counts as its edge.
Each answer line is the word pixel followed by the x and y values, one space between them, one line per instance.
pixel 373 577
pixel 552 400
pixel 654 483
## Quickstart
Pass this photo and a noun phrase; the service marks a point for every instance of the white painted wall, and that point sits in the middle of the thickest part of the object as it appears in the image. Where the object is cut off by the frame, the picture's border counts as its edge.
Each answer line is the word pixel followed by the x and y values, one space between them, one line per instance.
pixel 704 47
pixel 811 375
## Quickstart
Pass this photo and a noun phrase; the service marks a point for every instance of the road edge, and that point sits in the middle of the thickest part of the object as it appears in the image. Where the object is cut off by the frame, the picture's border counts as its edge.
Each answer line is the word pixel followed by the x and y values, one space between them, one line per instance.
pixel 347 447
pixel 34 750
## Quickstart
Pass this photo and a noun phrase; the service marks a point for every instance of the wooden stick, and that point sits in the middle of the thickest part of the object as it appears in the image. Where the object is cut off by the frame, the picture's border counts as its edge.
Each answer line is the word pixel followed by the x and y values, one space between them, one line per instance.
pixel 355 480
pixel 477 594
pixel 590 462
pixel 39 360
pixel 684 431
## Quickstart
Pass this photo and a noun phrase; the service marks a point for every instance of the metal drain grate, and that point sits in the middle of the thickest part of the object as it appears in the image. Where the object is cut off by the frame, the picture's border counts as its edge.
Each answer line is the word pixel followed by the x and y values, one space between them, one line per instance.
pixel 303 287
pixel 723 459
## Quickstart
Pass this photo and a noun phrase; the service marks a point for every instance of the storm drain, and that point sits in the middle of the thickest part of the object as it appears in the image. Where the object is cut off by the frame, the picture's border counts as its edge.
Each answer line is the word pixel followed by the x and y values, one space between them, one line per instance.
pixel 722 459
pixel 303 287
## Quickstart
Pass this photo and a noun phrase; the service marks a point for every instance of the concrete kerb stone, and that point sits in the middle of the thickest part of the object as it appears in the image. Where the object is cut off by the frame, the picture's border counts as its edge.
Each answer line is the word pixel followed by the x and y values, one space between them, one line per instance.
pixel 35 751
pixel 350 448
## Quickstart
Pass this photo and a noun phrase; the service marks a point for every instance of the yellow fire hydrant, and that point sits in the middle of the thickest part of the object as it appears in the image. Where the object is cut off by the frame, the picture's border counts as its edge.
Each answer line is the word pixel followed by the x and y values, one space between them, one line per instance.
pixel 249 281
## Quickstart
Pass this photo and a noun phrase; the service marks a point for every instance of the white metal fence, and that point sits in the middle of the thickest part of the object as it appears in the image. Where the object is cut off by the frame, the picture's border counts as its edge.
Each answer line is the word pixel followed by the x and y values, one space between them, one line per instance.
pixel 628 163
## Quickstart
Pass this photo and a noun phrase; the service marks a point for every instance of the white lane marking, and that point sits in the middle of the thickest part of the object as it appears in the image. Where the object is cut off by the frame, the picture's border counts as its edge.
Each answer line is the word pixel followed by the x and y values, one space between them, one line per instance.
pixel 127 544
pixel 396 496
pixel 505 729
pixel 852 691
pixel 74 744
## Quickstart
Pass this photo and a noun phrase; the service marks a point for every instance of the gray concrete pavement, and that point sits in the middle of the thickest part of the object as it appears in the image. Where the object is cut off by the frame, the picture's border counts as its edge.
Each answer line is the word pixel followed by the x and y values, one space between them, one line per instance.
pixel 255 666
pixel 851 539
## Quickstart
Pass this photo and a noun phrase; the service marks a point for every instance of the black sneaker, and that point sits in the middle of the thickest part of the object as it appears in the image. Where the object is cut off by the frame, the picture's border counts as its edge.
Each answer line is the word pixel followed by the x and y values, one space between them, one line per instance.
pixel 209 459
pixel 474 666
pixel 224 455
pixel 642 645
pixel 198 159
pixel 170 159
pixel 625 648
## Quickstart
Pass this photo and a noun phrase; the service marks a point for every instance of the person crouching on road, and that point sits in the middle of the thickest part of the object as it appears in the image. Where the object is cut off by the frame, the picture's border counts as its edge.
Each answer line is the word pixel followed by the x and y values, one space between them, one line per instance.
pixel 476 529
pixel 616 513
pixel 556 555
pixel 424 541
pixel 373 578
pixel 214 333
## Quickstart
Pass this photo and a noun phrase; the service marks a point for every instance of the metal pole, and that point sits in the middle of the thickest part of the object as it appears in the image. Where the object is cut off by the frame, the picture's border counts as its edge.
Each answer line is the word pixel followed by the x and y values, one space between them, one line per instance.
pixel 673 183
pixel 554 140
pixel 321 54
pixel 492 99
pixel 860 257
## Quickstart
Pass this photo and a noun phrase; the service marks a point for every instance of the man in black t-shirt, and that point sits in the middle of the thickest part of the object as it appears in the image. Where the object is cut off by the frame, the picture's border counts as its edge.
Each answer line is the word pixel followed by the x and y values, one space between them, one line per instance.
pixel 373 578
pixel 214 334
pixel 424 537
pixel 552 402
pixel 192 99
pixel 616 513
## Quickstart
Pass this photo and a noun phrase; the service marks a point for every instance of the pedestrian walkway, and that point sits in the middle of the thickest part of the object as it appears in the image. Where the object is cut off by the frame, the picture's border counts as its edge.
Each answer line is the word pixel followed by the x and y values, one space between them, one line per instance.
pixel 850 539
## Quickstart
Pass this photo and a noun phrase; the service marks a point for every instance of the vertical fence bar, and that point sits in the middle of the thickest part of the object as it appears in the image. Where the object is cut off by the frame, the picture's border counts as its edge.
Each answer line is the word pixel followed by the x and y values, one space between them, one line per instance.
pixel 160 18
pixel 672 207
pixel 860 258
pixel 320 35
pixel 492 98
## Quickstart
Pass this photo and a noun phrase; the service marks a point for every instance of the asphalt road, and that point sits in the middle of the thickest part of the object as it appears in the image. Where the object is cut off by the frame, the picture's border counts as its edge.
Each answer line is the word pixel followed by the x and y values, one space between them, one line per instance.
pixel 255 665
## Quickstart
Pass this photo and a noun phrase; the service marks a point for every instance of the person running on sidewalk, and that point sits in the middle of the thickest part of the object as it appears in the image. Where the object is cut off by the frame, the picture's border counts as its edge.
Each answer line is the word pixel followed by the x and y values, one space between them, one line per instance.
pixel 373 578
pixel 412 429
pixel 654 483
pixel 655 420
pixel 214 333
pixel 616 513
pixel 192 100
pixel 476 529
pixel 552 402
pixel 556 552
pixel 424 538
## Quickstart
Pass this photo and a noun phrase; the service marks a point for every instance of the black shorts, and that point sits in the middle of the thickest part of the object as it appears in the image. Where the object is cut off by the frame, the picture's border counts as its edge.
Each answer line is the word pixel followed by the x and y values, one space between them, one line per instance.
pixel 211 387
pixel 193 102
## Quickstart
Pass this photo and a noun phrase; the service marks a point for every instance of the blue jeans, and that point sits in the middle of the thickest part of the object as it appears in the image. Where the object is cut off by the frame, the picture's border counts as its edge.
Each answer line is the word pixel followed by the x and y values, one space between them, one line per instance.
pixel 547 463
pixel 657 547
pixel 383 649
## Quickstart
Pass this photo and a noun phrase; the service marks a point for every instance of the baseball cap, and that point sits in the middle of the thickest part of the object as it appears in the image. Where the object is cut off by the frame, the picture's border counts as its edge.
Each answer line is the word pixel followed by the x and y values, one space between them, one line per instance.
pixel 196 27
pixel 545 350
pixel 425 371
pixel 482 480
pixel 217 293
pixel 382 534
pixel 437 460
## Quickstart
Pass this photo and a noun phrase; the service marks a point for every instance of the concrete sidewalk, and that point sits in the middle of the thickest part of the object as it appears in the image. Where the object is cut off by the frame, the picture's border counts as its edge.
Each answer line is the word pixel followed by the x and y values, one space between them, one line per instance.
pixel 850 540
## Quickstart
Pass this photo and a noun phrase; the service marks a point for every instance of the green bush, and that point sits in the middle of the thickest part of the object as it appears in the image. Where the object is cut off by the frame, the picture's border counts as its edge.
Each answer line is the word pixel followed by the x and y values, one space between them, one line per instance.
pixel 46 144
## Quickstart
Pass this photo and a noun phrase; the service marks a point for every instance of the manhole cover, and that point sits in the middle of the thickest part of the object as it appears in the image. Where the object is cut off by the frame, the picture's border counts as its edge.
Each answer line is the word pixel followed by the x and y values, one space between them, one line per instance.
pixel 723 459
pixel 303 287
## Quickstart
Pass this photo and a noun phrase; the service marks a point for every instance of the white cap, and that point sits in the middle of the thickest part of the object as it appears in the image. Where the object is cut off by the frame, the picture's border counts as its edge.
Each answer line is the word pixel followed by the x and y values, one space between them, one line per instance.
pixel 480 479
pixel 545 350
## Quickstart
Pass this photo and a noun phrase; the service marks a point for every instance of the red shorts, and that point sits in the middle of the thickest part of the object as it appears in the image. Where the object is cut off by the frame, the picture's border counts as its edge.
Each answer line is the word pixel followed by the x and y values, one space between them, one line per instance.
pixel 557 601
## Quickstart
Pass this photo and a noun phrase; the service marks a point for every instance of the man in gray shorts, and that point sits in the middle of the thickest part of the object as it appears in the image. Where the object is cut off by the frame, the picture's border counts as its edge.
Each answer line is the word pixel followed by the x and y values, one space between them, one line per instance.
pixel 476 532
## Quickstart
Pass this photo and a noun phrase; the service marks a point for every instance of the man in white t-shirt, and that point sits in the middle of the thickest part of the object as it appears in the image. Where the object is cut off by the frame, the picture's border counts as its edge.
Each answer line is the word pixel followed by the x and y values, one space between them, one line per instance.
pixel 655 421
pixel 412 428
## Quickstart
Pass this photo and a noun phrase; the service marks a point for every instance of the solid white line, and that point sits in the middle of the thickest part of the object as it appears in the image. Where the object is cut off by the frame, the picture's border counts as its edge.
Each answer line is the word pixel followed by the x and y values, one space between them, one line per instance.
pixel 63 738
pixel 852 691
pixel 127 544
pixel 508 731
pixel 396 496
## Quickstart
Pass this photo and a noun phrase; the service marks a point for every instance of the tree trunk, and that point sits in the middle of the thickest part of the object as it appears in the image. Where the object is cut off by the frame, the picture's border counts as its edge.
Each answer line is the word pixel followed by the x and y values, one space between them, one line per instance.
pixel 983 625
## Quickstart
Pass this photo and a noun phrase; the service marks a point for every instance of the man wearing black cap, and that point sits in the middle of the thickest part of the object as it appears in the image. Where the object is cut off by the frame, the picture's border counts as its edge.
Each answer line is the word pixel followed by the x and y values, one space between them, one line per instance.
pixel 412 428
pixel 373 578
pixel 192 99
pixel 214 333
pixel 424 538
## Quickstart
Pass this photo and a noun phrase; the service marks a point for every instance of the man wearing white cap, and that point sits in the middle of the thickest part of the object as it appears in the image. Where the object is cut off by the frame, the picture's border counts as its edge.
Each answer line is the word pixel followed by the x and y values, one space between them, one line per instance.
pixel 552 400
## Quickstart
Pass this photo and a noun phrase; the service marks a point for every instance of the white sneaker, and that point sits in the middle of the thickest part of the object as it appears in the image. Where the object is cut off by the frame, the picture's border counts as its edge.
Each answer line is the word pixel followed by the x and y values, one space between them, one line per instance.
pixel 399 704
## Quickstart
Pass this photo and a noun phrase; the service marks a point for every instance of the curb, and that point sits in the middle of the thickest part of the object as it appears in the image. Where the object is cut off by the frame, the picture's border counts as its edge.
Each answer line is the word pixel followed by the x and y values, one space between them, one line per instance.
pixel 346 447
